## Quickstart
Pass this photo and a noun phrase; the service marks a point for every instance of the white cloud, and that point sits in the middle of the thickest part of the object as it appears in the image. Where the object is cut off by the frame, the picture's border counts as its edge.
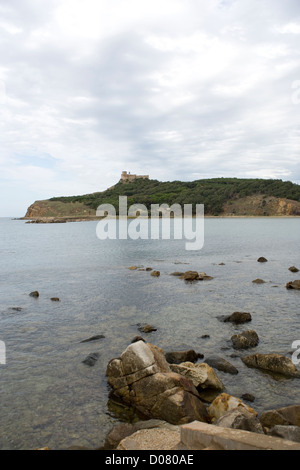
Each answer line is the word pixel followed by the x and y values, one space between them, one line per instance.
pixel 170 88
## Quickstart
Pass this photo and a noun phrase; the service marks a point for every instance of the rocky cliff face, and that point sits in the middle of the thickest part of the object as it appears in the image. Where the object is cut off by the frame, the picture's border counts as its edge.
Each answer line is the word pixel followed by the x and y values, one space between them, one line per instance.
pixel 43 209
pixel 257 205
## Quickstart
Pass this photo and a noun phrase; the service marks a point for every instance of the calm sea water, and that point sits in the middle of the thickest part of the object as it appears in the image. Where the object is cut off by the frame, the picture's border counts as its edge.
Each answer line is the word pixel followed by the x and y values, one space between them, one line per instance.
pixel 50 398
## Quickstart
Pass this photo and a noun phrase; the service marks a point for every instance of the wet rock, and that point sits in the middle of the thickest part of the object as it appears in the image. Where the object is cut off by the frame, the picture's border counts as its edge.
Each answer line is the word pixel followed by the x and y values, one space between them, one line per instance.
pixel 147 328
pixel 177 357
pixel 142 378
pixel 240 418
pixel 221 364
pixel 293 284
pixel 92 338
pixel 224 403
pixel 155 273
pixel 132 268
pixel 293 269
pixel 262 260
pixel 91 359
pixel 273 363
pixel 137 338
pixel 55 299
pixel 202 375
pixel 238 317
pixel 190 276
pixel 195 276
pixel 205 336
pixel 177 273
pixel 148 269
pixel 248 397
pixel 16 309
pixel 34 294
pixel 245 340
pixel 259 281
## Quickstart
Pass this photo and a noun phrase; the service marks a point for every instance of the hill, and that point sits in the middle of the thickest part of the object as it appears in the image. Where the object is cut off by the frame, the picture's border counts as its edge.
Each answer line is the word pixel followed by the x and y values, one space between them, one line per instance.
pixel 220 196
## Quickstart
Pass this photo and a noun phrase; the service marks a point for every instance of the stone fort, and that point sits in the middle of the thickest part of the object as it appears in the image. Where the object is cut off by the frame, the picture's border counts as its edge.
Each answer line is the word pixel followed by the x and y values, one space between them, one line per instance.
pixel 129 177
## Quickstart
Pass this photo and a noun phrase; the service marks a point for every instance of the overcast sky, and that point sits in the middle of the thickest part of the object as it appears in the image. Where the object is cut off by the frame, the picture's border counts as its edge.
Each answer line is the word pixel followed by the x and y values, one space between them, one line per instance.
pixel 177 89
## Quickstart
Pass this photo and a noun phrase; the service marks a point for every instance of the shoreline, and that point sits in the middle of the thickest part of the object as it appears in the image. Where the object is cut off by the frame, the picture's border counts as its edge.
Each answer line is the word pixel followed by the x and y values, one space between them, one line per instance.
pixel 66 219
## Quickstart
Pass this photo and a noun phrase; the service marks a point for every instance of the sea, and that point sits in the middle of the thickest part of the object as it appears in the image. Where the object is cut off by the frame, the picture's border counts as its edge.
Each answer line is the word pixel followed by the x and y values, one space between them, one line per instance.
pixel 51 398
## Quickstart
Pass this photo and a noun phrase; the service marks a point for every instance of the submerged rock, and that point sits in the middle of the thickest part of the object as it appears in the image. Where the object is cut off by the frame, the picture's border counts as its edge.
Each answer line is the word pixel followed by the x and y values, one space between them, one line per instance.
pixel 91 359
pixel 92 338
pixel 146 328
pixel 245 340
pixel 273 363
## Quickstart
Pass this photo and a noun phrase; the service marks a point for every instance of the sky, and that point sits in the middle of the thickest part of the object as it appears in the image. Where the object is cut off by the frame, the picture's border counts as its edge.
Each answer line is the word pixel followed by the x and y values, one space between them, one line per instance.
pixel 177 89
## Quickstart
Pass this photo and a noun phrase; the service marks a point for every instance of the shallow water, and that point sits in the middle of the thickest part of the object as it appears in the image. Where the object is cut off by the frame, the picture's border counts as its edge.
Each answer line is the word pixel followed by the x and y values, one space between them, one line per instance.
pixel 50 398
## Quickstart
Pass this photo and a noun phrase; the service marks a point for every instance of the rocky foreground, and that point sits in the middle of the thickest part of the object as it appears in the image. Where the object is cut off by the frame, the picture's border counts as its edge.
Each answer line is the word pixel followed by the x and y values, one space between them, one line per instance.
pixel 172 393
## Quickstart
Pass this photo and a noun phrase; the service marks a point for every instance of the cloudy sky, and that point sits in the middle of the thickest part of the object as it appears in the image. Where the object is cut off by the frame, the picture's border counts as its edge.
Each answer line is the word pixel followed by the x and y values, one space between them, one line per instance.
pixel 177 89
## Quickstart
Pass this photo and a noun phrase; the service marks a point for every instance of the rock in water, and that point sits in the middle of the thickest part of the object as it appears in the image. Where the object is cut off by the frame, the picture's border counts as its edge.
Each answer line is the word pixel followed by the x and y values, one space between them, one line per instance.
pixel 221 364
pixel 293 284
pixel 293 269
pixel 176 357
pixel 238 317
pixel 245 340
pixel 92 338
pixel 91 359
pixel 155 273
pixel 273 363
pixel 262 260
pixel 142 378
pixel 34 294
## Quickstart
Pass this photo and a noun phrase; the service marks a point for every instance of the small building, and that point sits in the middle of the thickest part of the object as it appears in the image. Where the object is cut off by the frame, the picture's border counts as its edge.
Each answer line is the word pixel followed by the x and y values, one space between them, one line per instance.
pixel 129 177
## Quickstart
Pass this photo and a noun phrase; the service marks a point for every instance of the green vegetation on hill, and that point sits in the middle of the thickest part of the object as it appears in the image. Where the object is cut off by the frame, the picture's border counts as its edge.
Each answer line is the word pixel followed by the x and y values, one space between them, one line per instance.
pixel 213 193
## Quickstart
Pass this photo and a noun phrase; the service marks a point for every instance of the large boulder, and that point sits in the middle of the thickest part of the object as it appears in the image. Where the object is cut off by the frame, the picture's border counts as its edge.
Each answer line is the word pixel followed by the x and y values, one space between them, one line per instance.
pixel 202 375
pixel 224 403
pixel 273 363
pixel 245 340
pixel 142 378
